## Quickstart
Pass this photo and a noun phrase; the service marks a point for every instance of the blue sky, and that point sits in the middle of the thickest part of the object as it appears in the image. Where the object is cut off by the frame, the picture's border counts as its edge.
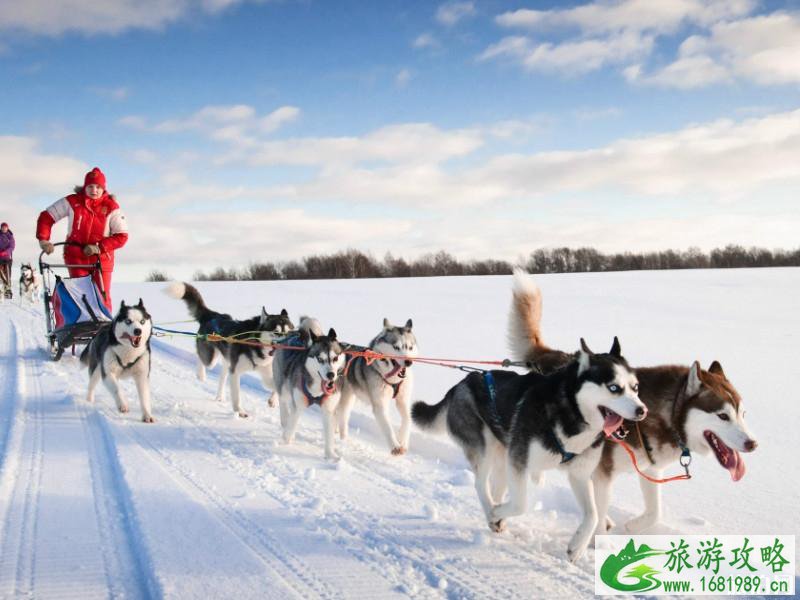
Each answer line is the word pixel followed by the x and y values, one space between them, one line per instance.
pixel 234 131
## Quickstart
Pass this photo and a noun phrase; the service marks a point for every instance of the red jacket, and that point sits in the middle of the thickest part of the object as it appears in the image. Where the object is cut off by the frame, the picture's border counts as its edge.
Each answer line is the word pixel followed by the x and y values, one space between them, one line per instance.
pixel 98 222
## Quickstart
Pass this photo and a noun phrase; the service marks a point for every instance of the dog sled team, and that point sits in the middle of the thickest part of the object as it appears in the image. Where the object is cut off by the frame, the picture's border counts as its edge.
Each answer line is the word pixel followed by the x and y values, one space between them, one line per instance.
pixel 569 411
pixel 564 413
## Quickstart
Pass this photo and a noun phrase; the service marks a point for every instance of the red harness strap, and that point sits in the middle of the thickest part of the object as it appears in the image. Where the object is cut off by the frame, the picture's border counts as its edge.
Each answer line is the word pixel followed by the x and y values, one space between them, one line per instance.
pixel 636 465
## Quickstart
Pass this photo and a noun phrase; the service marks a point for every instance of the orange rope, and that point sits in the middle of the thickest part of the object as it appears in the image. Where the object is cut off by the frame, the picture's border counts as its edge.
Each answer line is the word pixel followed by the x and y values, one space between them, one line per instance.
pixel 636 465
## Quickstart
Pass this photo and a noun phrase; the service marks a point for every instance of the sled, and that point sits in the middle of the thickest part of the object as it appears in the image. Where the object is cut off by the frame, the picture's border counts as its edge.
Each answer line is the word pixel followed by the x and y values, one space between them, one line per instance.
pixel 74 307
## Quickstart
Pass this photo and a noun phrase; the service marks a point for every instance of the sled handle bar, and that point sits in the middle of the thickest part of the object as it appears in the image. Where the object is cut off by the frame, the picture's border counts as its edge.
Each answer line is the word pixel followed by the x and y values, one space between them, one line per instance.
pixel 42 264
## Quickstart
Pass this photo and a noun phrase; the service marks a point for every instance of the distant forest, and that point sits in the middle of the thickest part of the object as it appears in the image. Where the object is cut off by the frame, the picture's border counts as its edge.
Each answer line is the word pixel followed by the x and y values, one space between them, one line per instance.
pixel 354 264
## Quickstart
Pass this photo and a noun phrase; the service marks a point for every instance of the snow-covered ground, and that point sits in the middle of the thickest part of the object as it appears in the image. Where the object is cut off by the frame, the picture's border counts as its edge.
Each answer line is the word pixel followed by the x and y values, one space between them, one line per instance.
pixel 205 505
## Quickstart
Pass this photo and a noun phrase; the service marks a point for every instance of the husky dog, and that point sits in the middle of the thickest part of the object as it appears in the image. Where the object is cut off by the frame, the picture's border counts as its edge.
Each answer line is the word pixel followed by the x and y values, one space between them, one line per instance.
pixel 381 382
pixel 691 410
pixel 239 358
pixel 30 283
pixel 308 375
pixel 537 422
pixel 120 350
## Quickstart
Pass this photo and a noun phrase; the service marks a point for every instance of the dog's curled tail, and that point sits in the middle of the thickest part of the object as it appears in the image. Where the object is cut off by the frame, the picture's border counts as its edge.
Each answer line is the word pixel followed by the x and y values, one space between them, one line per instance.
pixel 432 417
pixel 310 324
pixel 524 333
pixel 189 294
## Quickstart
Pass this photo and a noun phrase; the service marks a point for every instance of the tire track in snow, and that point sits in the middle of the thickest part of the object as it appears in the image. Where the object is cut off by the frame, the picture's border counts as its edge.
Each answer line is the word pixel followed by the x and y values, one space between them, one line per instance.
pixel 116 515
pixel 292 570
pixel 24 451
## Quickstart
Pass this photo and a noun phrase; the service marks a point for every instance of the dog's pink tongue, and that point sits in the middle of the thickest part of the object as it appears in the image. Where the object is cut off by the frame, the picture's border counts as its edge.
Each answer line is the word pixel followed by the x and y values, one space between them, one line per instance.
pixel 735 465
pixel 611 423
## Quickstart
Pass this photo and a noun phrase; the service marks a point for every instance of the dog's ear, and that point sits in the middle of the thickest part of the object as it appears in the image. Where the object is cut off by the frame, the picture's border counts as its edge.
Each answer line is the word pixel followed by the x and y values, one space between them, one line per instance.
pixel 409 325
pixel 616 350
pixel 584 357
pixel 716 369
pixel 284 313
pixel 264 316
pixel 122 305
pixel 693 382
pixel 386 324
pixel 141 304
pixel 332 334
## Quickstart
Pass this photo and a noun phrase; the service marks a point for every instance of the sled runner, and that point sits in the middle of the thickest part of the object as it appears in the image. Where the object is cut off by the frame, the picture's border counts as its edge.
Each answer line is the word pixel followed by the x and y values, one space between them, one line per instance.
pixel 73 306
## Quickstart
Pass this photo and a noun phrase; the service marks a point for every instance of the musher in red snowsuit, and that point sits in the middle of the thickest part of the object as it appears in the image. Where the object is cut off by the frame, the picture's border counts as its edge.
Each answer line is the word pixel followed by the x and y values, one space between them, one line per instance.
pixel 96 226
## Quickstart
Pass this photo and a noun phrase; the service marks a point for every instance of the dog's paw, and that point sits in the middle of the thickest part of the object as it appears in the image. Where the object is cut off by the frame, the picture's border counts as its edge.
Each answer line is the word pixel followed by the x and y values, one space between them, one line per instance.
pixel 640 523
pixel 242 414
pixel 574 554
pixel 123 408
pixel 148 419
pixel 498 526
pixel 398 451
pixel 272 403
pixel 332 457
pixel 219 399
pixel 610 524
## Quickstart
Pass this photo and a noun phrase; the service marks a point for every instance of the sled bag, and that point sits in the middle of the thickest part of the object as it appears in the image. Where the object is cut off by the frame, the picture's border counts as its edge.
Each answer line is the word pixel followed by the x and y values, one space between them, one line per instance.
pixel 77 300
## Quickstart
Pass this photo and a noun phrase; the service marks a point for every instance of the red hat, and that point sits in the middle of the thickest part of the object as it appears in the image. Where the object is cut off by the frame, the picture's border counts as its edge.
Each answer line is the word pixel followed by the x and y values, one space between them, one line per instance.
pixel 3 224
pixel 95 176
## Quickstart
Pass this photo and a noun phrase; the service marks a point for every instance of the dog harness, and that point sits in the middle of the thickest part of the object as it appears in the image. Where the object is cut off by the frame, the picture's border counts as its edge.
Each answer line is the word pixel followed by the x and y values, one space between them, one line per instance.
pixel 129 365
pixel 310 398
pixel 395 386
pixel 566 456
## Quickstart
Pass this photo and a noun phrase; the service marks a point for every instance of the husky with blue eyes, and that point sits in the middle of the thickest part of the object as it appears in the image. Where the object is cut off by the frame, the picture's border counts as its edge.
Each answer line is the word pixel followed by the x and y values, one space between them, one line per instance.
pixel 514 426
pixel 122 350
pixel 382 381
pixel 309 374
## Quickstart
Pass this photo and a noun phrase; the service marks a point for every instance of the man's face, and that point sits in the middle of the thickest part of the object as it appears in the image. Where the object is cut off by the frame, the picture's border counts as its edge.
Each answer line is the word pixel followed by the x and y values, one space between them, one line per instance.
pixel 4 228
pixel 94 191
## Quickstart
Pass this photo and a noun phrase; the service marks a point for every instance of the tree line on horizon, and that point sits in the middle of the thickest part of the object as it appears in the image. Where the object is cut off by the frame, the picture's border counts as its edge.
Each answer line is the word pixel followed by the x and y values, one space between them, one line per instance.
pixel 355 264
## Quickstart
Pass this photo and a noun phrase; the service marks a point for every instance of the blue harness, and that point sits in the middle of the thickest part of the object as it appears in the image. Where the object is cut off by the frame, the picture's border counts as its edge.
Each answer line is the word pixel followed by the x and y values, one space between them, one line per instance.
pixel 488 379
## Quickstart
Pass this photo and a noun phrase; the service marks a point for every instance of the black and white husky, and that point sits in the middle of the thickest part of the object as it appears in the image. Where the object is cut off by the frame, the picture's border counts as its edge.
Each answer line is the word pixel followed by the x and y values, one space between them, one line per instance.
pixel 309 375
pixel 239 358
pixel 121 350
pixel 511 425
pixel 30 283
pixel 381 382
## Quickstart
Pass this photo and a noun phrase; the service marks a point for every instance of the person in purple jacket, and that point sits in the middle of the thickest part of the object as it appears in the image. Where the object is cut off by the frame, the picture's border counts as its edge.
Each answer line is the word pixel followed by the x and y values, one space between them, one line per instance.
pixel 6 254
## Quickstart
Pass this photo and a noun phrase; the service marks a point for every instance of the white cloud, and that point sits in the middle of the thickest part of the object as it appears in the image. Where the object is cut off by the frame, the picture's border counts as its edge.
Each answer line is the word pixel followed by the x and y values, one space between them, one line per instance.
pixel 763 49
pixel 425 40
pixel 24 169
pixel 237 124
pixel 629 15
pixel 452 12
pixel 572 57
pixel 405 143
pixel 99 17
